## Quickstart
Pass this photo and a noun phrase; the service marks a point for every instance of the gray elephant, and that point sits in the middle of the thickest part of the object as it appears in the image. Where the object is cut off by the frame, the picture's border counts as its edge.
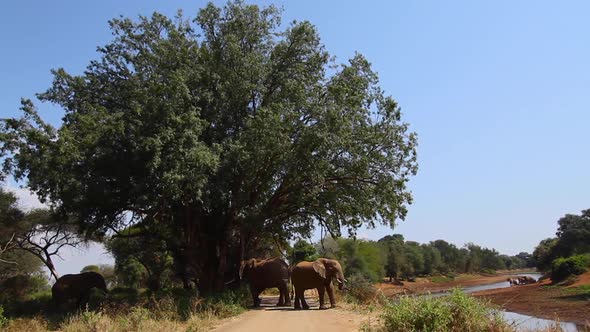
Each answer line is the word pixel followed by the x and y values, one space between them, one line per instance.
pixel 525 280
pixel 318 275
pixel 512 281
pixel 266 273
pixel 77 287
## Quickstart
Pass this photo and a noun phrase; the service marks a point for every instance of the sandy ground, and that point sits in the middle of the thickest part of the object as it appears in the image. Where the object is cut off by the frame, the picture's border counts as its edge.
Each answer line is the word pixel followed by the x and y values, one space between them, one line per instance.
pixel 285 319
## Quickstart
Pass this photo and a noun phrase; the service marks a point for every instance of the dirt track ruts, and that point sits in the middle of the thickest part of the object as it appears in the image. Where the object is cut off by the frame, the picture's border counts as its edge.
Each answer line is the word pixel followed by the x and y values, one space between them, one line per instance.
pixel 286 319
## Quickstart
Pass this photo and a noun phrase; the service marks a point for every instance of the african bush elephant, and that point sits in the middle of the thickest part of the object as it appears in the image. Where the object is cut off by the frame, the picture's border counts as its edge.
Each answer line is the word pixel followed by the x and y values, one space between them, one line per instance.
pixel 77 287
pixel 512 281
pixel 266 273
pixel 319 275
pixel 524 280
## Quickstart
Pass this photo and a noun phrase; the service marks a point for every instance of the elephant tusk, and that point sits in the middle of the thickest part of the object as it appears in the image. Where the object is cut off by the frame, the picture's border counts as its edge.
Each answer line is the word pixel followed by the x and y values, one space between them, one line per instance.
pixel 229 282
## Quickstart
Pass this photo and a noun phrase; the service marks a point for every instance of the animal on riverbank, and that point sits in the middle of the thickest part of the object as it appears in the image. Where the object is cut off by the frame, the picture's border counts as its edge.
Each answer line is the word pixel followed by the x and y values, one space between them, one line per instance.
pixel 512 281
pixel 525 280
pixel 76 287
pixel 266 273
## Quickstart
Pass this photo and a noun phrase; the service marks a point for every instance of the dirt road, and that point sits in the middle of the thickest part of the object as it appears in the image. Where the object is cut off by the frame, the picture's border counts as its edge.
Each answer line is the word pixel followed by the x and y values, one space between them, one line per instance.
pixel 286 319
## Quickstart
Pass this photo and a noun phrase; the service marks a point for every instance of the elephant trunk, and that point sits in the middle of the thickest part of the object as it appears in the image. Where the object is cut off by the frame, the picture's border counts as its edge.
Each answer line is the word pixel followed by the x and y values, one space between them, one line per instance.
pixel 340 280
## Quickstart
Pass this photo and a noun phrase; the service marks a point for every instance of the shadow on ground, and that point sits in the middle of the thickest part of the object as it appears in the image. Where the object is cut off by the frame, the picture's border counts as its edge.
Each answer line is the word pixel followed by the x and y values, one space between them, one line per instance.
pixel 269 303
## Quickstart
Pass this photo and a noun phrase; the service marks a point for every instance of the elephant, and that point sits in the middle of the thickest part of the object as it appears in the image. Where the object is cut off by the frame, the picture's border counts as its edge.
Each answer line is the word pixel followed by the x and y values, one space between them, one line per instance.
pixel 512 281
pixel 266 273
pixel 77 287
pixel 524 280
pixel 319 275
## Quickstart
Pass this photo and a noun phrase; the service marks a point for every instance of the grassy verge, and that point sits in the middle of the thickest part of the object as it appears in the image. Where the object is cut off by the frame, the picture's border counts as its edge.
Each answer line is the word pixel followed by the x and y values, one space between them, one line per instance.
pixel 457 312
pixel 173 310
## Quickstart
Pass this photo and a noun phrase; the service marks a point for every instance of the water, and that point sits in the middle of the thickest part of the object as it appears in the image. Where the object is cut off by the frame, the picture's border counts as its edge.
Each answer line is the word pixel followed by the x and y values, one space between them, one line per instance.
pixel 529 323
pixel 522 322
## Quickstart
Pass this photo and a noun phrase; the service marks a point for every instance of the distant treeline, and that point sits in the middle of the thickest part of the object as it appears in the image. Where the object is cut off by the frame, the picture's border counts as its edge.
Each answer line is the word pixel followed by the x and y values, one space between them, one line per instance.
pixel 396 258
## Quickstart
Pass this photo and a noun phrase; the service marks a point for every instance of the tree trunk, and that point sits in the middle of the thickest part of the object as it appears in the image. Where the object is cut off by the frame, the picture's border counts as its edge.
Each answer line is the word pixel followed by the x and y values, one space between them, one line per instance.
pixel 49 263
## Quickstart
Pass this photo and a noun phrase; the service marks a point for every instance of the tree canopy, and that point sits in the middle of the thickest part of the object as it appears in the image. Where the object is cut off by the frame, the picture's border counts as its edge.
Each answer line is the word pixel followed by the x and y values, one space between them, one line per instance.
pixel 214 132
pixel 572 238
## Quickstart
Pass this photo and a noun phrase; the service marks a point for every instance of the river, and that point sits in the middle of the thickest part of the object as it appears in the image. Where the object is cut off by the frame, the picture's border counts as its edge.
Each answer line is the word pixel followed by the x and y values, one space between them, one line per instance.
pixel 521 322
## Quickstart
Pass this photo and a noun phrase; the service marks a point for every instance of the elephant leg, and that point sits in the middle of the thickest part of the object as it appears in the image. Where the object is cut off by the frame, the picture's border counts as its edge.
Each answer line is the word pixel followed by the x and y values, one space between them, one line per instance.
pixel 285 290
pixel 297 300
pixel 255 293
pixel 281 297
pixel 321 293
pixel 302 299
pixel 330 290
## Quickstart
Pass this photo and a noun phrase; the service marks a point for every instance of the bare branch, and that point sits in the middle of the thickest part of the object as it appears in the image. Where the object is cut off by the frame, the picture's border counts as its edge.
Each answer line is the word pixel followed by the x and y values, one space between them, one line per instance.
pixel 9 245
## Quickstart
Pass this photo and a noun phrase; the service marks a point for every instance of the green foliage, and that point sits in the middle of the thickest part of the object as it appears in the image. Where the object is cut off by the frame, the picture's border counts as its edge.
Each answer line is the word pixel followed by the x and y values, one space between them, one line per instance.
pixel 303 251
pixel 360 290
pixel 22 287
pixel 214 132
pixel 20 263
pixel 406 259
pixel 33 304
pixel 573 235
pixel 563 268
pixel 457 312
pixel 572 238
pixel 361 257
pixel 12 260
pixel 90 268
pixel 141 261
pixel 3 320
pixel 543 254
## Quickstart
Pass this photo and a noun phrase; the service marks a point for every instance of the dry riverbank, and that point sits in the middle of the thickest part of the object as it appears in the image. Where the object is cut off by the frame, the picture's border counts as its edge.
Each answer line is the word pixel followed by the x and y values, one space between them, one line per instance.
pixel 423 285
pixel 565 303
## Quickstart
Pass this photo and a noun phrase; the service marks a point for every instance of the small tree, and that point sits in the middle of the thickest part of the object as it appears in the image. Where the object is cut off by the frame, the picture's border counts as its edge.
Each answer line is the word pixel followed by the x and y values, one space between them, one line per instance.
pixel 44 235
pixel 41 233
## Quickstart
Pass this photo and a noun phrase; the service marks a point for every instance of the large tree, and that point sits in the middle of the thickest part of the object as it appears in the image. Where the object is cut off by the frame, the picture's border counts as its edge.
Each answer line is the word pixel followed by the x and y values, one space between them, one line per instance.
pixel 218 131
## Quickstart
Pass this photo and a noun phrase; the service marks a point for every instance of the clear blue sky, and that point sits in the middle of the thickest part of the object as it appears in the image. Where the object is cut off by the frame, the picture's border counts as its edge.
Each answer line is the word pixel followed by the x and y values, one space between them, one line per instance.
pixel 497 91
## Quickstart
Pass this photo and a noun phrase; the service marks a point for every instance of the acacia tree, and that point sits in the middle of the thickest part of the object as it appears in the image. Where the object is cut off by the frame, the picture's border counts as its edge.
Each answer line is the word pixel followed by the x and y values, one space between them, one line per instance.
pixel 40 232
pixel 44 236
pixel 219 130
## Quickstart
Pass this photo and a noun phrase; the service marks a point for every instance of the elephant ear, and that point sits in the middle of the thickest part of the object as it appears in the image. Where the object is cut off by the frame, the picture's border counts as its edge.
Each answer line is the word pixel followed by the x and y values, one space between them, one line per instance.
pixel 320 269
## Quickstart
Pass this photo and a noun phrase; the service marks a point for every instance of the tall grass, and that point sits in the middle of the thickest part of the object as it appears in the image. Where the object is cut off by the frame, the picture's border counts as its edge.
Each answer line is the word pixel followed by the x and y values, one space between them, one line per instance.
pixel 172 310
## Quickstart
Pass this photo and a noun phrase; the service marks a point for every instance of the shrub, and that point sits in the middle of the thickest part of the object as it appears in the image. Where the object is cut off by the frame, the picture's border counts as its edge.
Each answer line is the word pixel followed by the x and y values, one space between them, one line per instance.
pixel 359 289
pixel 36 303
pixel 21 287
pixel 562 268
pixel 457 312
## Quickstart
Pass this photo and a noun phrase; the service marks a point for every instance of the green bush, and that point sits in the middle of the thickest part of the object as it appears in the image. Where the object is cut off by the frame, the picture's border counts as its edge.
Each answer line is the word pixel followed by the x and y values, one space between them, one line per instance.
pixel 359 289
pixel 22 287
pixel 457 312
pixel 36 303
pixel 562 268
